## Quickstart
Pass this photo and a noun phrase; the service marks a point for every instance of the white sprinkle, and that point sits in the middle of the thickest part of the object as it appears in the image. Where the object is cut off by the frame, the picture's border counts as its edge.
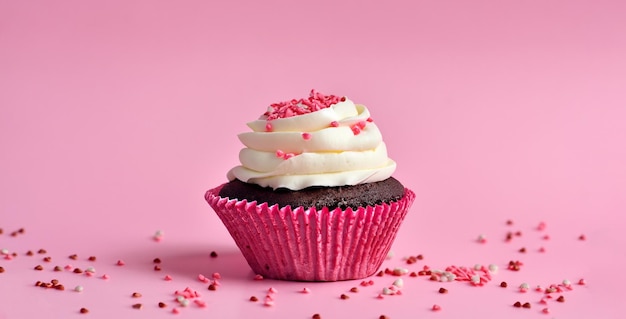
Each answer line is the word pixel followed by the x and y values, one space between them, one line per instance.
pixel 475 279
pixel 387 291
pixel 4 251
pixel 493 268
pixel 478 267
pixel 78 288
pixel 567 282
pixel 398 283
pixel 390 254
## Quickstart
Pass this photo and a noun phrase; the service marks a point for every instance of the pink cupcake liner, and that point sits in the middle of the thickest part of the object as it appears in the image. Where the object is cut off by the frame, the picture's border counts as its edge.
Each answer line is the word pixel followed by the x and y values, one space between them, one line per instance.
pixel 306 244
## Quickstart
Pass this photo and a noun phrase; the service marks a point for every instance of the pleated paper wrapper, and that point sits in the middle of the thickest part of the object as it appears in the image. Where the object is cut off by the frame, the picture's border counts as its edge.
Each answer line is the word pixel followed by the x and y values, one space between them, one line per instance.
pixel 309 244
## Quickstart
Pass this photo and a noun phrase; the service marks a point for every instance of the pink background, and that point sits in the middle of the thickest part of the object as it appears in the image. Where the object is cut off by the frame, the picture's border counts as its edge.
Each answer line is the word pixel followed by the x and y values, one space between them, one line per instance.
pixel 116 116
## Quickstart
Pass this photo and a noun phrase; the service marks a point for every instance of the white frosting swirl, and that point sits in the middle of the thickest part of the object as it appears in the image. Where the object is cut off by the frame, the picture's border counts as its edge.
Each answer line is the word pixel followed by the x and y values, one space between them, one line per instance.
pixel 328 156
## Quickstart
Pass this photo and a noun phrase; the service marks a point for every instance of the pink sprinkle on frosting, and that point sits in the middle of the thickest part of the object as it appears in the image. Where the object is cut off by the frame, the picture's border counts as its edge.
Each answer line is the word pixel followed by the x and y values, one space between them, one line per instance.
pixel 315 102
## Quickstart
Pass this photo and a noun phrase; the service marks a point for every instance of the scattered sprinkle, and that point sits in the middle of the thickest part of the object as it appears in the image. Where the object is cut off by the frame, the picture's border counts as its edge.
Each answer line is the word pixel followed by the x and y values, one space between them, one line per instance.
pixel 344 296
pixel 526 305
pixel 79 288
pixel 258 277
pixel 136 295
pixel 213 254
pixel 443 290
pixel 137 306
pixel 92 258
pixel 398 283
pixel 39 267
pixel 316 316
pixel 162 304
pixel 254 299
pixel 545 310
pixel 105 277
pixel 436 308
pixel 158 235
pixel 120 263
pixel 482 239
pixel 42 251
pixel 84 310
pixel 560 299
pixel 73 257
pixel 305 290
pixel 354 289
pixel 541 226
pixel 156 260
pixel 167 278
pixel 517 304
pixel 1 269
pixel 503 284
pixel 523 287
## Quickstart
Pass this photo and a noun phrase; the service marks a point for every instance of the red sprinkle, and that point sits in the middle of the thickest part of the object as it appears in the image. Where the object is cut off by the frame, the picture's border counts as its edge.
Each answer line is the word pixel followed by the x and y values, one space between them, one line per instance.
pixel 582 237
pixel 541 226
pixel 315 102
pixel 436 308
pixel 84 310
pixel 306 136
pixel 334 124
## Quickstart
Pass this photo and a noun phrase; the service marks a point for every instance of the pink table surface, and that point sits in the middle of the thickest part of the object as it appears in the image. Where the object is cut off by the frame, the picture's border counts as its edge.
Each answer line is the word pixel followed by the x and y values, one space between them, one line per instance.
pixel 116 116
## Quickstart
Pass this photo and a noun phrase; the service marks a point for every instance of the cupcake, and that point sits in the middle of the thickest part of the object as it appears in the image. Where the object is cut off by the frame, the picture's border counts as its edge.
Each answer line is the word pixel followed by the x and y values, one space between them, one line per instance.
pixel 313 198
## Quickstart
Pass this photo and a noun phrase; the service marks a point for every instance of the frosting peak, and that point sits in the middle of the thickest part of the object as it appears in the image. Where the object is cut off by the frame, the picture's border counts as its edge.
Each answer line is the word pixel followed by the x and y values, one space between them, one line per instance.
pixel 323 140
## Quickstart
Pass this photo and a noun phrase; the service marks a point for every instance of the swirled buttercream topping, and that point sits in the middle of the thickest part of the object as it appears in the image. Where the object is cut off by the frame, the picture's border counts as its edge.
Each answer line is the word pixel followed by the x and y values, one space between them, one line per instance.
pixel 322 140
